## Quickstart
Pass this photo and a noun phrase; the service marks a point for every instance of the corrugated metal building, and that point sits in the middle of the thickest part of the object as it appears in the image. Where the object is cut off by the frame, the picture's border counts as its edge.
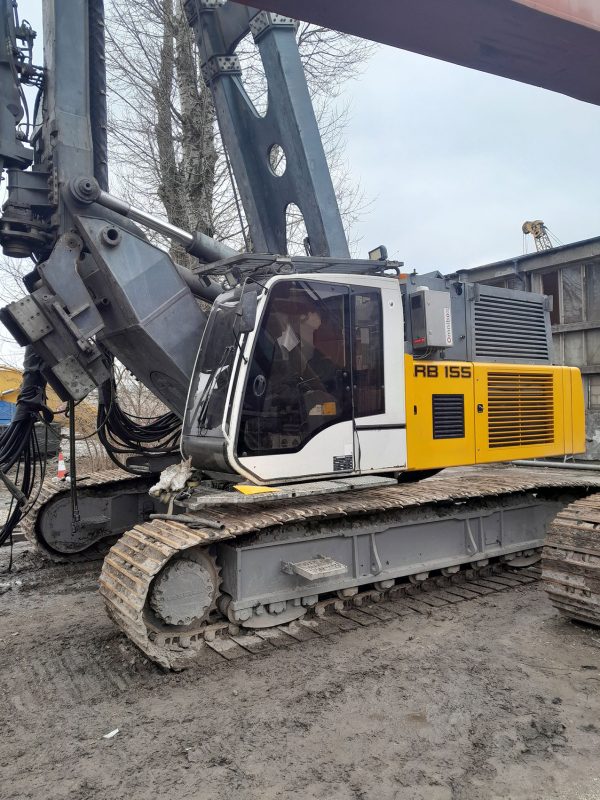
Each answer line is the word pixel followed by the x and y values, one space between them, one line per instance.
pixel 570 275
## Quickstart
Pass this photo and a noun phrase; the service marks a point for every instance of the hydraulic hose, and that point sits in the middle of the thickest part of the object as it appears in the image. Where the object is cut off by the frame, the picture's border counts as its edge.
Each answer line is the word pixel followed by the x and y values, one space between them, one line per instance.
pixel 19 447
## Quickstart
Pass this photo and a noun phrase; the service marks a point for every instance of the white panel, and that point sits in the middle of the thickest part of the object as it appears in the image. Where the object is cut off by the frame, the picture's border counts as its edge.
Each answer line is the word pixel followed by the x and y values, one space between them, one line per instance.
pixel 380 449
pixel 315 458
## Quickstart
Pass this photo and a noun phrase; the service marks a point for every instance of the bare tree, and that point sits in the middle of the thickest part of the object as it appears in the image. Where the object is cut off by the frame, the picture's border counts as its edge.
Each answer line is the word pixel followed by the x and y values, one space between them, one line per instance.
pixel 12 271
pixel 162 120
pixel 163 130
pixel 166 152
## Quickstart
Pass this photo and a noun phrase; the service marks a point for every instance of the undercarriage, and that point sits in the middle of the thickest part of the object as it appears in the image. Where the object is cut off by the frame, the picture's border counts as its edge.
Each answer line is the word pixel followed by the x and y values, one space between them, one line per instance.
pixel 177 587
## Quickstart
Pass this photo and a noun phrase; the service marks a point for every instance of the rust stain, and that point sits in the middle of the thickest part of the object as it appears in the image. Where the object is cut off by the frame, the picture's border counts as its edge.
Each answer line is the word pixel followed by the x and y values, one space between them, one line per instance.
pixel 581 12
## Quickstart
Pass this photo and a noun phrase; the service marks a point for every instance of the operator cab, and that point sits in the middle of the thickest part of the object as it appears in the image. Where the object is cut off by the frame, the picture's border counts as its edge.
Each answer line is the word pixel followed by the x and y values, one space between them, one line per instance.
pixel 314 389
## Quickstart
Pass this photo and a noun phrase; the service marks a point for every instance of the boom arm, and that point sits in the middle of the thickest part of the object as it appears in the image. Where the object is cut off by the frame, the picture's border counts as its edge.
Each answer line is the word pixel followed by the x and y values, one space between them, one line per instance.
pixel 554 44
pixel 100 287
pixel 289 123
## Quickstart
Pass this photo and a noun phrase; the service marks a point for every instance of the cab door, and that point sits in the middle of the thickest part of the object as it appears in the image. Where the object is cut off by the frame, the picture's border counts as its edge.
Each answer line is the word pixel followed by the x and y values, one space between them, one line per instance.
pixel 295 415
pixel 378 377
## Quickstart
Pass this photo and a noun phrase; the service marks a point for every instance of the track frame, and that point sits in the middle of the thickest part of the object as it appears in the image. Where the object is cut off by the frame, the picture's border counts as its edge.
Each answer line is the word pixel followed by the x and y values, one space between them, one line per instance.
pixel 132 564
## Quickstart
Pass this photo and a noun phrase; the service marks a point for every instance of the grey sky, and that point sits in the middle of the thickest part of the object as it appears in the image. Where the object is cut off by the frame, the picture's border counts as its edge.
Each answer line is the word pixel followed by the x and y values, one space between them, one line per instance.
pixel 454 160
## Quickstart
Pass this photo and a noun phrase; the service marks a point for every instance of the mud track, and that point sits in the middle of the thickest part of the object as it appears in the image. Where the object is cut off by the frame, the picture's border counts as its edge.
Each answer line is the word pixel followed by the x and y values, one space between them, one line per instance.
pixel 497 697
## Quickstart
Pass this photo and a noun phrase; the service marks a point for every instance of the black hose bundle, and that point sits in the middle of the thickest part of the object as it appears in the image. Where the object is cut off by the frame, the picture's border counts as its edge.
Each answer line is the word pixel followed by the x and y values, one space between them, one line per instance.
pixel 124 434
pixel 19 446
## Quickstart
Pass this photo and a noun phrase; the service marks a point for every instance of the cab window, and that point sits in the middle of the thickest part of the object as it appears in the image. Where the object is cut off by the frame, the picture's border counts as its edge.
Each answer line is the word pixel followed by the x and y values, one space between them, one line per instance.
pixel 299 377
pixel 317 361
pixel 367 353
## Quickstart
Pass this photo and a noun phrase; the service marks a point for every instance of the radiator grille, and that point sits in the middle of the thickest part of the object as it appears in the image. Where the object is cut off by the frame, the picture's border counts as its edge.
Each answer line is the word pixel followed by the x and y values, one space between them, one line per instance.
pixel 448 416
pixel 520 409
pixel 508 328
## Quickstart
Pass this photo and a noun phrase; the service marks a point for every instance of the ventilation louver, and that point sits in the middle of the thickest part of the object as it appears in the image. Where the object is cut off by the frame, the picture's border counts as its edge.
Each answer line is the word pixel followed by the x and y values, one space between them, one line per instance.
pixel 520 409
pixel 448 416
pixel 507 328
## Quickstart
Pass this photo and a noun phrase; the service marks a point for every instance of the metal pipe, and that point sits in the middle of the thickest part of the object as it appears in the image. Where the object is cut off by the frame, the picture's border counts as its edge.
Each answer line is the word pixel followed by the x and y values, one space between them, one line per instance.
pixel 198 244
pixel 86 190
pixel 559 465
pixel 208 291
pixel 137 215
pixel 190 519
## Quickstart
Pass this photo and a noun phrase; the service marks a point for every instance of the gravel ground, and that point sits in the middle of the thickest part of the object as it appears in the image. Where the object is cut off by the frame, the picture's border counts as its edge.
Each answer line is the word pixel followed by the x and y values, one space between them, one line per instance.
pixel 492 698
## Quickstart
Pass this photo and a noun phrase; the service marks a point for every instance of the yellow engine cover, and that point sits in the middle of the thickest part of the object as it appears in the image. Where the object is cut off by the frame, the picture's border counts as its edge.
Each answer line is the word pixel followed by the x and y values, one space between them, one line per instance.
pixel 460 413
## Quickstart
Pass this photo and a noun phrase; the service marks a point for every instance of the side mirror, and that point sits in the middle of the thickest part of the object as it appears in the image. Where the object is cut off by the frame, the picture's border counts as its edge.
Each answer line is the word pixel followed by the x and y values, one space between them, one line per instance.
pixel 246 312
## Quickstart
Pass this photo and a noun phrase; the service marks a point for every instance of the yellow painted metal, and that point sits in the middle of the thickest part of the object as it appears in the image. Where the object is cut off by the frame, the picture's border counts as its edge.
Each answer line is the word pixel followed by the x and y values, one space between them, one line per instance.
pixel 10 385
pixel 245 488
pixel 511 411
pixel 10 382
pixel 85 418
pixel 568 406
pixel 519 412
pixel 575 413
pixel 423 380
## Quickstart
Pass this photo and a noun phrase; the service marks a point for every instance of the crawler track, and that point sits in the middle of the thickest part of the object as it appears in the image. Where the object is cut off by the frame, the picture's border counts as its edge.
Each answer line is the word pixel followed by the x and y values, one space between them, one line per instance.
pixel 329 616
pixel 140 554
pixel 368 608
pixel 571 561
pixel 52 490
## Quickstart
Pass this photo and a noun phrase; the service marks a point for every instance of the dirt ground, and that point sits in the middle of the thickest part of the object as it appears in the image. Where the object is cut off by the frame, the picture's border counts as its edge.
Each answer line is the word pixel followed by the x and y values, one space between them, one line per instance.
pixel 491 698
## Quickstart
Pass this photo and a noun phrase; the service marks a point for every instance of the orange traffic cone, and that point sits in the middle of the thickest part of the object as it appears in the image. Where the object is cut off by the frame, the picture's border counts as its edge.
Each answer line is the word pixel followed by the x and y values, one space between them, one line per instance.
pixel 61 472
